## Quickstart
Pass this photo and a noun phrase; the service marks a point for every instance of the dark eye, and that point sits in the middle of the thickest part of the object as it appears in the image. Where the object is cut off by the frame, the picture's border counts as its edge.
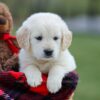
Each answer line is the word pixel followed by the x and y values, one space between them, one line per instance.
pixel 55 38
pixel 39 38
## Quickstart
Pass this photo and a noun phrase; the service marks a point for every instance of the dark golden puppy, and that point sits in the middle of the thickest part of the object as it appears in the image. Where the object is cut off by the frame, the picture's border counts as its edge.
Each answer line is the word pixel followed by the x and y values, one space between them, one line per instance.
pixel 8 44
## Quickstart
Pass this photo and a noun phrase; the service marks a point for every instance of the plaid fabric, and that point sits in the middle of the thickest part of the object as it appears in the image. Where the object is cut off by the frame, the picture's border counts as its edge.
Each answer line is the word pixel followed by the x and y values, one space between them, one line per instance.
pixel 13 86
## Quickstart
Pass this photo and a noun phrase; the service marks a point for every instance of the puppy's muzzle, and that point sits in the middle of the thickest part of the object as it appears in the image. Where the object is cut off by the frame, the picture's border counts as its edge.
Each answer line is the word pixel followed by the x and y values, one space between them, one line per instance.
pixel 48 53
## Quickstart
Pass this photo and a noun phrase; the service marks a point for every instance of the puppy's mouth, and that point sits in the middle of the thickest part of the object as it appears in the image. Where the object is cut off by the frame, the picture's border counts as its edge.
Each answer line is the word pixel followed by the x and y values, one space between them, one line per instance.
pixel 47 58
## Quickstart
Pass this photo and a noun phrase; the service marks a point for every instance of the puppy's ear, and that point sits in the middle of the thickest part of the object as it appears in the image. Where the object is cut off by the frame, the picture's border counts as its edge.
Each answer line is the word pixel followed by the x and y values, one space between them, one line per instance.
pixel 66 39
pixel 23 37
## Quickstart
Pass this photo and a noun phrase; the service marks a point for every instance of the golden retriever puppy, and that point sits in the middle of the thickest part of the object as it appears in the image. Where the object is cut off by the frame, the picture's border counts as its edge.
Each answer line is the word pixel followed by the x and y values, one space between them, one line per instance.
pixel 44 39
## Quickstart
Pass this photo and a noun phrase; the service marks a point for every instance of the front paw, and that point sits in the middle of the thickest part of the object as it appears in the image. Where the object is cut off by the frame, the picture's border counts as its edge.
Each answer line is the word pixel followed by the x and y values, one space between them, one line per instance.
pixel 34 80
pixel 54 85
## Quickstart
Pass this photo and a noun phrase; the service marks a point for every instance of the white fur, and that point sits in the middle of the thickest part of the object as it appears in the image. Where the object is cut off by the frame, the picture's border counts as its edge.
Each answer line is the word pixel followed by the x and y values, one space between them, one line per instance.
pixel 31 57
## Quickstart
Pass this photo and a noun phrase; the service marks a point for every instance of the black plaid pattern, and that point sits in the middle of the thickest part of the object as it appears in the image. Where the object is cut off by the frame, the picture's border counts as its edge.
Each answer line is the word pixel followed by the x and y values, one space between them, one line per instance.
pixel 18 89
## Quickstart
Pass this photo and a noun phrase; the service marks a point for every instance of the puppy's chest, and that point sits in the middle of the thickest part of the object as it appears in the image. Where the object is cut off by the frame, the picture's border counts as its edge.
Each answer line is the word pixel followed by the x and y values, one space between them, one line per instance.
pixel 44 68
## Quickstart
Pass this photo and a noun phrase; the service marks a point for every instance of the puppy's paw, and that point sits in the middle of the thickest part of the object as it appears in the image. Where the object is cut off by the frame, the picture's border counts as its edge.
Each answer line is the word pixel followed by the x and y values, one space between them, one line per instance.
pixel 54 85
pixel 34 80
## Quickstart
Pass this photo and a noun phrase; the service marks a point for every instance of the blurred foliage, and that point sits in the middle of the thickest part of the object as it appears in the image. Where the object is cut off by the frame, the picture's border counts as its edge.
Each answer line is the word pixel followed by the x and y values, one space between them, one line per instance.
pixel 66 8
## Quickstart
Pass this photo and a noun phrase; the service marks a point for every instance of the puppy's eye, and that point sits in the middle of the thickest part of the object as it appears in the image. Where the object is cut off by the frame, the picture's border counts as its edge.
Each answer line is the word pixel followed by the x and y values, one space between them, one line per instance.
pixel 55 38
pixel 39 38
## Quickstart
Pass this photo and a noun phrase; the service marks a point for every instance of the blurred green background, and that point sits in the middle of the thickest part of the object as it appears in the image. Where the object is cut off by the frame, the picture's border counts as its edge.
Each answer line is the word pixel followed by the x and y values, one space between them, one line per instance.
pixel 83 18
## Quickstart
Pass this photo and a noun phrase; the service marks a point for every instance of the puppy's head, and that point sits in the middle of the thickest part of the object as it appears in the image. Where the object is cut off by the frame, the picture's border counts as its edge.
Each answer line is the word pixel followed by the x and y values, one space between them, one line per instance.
pixel 45 35
pixel 6 20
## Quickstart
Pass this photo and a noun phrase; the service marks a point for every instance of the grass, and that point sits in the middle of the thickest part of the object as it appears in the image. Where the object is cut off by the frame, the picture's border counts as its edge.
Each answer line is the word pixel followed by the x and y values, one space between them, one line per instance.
pixel 86 49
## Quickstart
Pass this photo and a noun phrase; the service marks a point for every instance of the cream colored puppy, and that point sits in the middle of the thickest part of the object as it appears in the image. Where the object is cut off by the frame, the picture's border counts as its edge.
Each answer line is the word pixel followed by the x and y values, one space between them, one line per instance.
pixel 44 39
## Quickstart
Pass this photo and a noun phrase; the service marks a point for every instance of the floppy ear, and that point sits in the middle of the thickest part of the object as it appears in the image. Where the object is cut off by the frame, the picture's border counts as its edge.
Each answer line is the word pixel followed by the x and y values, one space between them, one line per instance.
pixel 23 37
pixel 66 39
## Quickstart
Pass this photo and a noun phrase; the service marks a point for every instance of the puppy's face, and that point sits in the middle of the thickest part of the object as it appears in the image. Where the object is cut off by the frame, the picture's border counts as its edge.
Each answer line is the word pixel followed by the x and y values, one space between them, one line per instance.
pixel 45 34
pixel 45 42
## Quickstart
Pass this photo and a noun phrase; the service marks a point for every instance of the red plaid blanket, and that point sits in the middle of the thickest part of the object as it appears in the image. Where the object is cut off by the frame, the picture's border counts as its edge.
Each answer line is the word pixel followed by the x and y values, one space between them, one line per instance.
pixel 13 86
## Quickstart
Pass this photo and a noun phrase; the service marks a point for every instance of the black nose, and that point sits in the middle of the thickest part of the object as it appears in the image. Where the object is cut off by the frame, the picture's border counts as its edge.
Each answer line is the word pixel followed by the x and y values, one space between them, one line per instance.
pixel 2 21
pixel 48 53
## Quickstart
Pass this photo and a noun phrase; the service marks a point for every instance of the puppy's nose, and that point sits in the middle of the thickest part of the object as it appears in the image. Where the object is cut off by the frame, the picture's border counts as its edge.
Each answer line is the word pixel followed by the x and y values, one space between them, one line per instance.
pixel 48 52
pixel 2 21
